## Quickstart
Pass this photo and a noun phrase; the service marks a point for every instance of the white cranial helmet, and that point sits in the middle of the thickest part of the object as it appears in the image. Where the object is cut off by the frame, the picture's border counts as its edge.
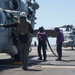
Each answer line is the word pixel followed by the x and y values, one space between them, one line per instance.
pixel 23 14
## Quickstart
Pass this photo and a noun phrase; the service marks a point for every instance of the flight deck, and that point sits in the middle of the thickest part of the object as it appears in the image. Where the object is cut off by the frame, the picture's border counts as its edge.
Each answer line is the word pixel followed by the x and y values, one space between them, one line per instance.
pixel 64 67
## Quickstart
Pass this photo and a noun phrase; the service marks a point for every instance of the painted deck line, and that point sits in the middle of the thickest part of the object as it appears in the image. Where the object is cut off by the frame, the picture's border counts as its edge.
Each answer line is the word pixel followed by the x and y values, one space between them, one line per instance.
pixel 69 67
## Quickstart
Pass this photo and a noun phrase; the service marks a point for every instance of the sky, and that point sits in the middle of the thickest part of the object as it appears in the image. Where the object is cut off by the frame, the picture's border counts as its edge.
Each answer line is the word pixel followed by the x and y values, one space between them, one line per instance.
pixel 55 13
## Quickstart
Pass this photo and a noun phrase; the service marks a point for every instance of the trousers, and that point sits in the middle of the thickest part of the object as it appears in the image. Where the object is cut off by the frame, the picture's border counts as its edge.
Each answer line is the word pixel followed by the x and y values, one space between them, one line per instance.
pixel 42 47
pixel 59 50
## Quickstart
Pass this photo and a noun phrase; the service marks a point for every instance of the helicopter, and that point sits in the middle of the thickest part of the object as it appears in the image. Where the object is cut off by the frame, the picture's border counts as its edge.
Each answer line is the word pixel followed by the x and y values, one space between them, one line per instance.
pixel 17 8
pixel 68 32
pixel 69 36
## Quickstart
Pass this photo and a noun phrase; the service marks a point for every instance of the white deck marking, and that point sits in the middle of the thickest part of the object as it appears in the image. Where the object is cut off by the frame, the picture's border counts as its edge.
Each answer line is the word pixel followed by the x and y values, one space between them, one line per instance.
pixel 54 66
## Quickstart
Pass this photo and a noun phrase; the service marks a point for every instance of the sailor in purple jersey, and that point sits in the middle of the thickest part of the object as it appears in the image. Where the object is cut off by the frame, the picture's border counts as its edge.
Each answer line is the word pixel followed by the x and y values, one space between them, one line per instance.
pixel 41 36
pixel 59 41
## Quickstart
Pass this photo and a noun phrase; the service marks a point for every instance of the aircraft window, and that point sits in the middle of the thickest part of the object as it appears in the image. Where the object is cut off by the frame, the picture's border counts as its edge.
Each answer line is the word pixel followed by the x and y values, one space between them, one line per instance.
pixel 15 3
pixel 68 37
pixel 65 38
pixel 74 32
pixel 71 37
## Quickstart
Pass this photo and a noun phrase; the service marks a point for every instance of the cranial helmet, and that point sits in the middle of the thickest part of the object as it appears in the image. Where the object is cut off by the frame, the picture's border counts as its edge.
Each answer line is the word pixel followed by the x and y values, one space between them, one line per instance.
pixel 41 29
pixel 23 14
pixel 57 29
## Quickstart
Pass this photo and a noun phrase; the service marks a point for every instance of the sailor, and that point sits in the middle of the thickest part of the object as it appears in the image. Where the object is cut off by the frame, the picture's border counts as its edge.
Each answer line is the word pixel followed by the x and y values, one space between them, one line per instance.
pixel 42 38
pixel 22 34
pixel 59 41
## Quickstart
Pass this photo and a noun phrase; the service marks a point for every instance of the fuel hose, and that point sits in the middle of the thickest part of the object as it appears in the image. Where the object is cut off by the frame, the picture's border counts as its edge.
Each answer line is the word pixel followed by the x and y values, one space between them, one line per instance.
pixel 51 48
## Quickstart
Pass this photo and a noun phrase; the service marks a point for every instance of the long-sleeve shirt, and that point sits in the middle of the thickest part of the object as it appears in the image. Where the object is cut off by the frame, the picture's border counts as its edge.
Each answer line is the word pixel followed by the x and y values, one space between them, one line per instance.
pixel 60 37
pixel 41 36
